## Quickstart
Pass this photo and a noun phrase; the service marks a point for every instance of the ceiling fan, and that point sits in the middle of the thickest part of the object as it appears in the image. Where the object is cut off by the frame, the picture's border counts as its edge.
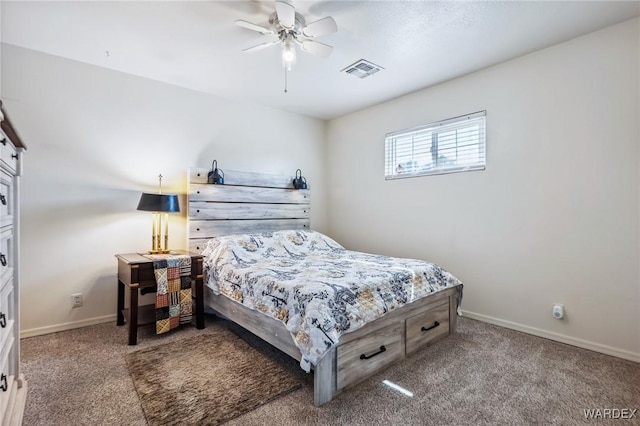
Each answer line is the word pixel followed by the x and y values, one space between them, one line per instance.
pixel 290 29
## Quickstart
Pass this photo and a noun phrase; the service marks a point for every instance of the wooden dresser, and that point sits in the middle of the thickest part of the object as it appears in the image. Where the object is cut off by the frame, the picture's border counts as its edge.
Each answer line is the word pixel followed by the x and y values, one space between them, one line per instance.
pixel 13 386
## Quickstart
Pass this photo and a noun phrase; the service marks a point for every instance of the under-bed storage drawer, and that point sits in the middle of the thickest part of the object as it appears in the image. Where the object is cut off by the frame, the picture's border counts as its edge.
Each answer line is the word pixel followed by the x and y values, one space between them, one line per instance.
pixel 368 354
pixel 427 327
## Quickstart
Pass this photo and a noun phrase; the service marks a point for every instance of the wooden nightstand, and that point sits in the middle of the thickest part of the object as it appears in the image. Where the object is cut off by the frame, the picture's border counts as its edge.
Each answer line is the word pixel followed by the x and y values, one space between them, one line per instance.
pixel 136 272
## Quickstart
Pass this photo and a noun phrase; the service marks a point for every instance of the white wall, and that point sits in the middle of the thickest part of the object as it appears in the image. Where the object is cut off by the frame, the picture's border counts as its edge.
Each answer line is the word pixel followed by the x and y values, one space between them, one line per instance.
pixel 96 139
pixel 554 218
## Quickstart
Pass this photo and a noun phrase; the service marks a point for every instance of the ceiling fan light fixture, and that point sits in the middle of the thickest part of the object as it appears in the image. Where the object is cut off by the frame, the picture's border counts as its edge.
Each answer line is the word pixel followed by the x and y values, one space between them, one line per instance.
pixel 290 28
pixel 288 53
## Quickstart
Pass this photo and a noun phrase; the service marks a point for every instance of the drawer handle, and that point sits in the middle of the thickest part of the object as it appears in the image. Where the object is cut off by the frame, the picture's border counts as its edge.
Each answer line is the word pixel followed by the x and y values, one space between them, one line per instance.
pixel 3 320
pixel 435 324
pixel 4 141
pixel 3 200
pixel 382 349
pixel 4 386
pixel 3 259
pixel 15 156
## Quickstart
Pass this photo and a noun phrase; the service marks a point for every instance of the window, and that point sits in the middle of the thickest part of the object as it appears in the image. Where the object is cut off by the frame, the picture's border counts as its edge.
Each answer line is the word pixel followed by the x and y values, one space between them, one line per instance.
pixel 449 146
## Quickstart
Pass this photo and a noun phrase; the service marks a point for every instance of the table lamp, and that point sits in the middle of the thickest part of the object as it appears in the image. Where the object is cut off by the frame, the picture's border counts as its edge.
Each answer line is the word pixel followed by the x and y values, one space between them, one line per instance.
pixel 160 205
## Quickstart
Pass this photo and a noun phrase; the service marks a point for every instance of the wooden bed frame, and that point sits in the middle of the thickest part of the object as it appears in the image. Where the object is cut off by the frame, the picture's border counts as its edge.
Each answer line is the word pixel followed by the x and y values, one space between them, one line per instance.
pixel 256 202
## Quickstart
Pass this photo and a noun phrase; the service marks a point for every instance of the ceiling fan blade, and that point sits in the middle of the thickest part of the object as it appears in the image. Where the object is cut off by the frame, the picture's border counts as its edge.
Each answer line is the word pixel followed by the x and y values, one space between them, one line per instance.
pixel 316 48
pixel 321 27
pixel 261 46
pixel 286 14
pixel 253 27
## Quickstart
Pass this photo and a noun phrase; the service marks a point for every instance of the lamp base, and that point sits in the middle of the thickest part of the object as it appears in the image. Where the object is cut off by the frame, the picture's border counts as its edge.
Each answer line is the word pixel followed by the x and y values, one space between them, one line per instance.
pixel 159 251
pixel 160 234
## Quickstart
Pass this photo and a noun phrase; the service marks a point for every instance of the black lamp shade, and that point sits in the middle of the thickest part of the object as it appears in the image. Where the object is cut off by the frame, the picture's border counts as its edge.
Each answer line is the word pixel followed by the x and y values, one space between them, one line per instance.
pixel 159 203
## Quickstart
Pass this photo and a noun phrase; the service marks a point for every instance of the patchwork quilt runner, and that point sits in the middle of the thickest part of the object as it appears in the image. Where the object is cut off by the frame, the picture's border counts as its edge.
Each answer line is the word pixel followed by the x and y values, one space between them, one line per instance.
pixel 173 297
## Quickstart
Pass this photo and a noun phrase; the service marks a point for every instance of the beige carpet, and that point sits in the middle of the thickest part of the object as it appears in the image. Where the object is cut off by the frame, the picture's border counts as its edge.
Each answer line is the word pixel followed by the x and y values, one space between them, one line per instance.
pixel 205 380
pixel 482 375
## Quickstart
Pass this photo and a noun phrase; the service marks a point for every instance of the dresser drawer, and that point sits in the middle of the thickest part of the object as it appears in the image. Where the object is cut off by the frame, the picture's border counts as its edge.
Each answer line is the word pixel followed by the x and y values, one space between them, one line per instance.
pixel 368 354
pixel 7 367
pixel 427 327
pixel 6 318
pixel 8 153
pixel 6 198
pixel 7 383
pixel 6 255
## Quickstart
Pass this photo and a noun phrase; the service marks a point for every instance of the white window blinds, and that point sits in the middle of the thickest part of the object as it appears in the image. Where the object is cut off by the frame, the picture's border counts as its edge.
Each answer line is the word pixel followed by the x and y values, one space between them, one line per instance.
pixel 453 145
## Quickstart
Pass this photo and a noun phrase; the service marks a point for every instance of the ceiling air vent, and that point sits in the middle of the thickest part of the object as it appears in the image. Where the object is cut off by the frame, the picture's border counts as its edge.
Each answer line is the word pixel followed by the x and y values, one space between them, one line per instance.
pixel 362 69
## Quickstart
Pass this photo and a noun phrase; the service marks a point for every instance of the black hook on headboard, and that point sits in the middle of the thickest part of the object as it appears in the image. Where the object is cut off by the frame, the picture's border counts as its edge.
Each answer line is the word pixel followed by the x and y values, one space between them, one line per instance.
pixel 299 181
pixel 216 175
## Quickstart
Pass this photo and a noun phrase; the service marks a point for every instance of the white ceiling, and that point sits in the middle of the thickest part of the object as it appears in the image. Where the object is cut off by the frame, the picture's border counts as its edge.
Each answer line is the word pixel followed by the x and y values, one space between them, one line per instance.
pixel 196 44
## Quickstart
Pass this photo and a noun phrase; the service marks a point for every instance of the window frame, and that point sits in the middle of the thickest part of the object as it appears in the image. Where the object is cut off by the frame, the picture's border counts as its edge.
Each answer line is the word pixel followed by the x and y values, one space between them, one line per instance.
pixel 433 128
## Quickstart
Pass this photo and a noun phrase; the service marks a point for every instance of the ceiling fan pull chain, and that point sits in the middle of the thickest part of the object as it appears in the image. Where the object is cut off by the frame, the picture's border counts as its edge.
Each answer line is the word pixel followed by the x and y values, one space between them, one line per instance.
pixel 285 80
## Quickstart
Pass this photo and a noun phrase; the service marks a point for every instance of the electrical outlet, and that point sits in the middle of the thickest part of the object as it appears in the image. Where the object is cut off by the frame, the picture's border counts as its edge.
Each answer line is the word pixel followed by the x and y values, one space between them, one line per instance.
pixel 558 311
pixel 76 300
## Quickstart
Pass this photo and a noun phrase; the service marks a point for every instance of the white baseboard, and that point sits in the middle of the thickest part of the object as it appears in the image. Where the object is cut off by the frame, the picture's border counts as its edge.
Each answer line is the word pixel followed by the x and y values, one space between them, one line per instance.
pixel 66 326
pixel 573 341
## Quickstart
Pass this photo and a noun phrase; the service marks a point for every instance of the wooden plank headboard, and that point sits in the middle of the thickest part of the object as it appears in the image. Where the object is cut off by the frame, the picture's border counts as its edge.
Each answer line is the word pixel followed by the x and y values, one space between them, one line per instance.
pixel 247 202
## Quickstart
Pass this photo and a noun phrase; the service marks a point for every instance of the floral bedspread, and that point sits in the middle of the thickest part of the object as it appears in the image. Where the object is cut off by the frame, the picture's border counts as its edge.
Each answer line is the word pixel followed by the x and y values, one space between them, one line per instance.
pixel 316 287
